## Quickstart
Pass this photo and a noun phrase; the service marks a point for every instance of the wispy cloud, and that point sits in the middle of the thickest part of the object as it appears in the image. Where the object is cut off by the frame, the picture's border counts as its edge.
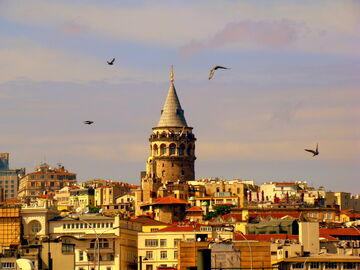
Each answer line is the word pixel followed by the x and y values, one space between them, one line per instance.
pixel 73 28
pixel 263 34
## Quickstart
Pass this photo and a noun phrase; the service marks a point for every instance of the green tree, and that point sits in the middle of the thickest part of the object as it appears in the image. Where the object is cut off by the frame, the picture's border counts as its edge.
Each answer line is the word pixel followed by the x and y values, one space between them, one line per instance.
pixel 222 209
pixel 210 215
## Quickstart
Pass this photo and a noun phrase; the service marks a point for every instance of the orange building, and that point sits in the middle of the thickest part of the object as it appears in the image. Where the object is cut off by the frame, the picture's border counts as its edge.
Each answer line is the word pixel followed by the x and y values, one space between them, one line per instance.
pixel 44 180
pixel 10 226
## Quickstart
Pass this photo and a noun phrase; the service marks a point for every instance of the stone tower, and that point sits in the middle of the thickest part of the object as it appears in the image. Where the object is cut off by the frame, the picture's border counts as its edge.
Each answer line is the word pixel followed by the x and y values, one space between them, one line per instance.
pixel 172 148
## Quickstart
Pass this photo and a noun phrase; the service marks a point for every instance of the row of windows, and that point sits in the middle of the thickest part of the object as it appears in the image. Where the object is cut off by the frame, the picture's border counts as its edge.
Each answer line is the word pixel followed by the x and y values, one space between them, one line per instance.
pixel 163 242
pixel 7 265
pixel 59 177
pixel 87 225
pixel 163 255
pixel 172 149
pixel 7 182
pixel 328 265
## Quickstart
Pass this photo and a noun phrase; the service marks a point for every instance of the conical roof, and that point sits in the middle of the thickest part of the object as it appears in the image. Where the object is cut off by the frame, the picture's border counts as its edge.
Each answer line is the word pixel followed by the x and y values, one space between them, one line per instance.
pixel 172 115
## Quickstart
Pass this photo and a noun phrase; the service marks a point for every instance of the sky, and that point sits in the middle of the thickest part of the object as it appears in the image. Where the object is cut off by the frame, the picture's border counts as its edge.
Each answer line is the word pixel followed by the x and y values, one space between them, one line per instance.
pixel 294 82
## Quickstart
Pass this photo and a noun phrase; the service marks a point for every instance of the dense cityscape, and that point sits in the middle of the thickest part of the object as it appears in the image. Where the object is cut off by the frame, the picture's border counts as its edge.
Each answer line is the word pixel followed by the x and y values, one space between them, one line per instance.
pixel 171 219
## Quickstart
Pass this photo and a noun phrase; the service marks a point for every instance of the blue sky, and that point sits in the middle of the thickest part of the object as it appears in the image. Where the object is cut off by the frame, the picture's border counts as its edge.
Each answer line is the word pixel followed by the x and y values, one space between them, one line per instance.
pixel 294 82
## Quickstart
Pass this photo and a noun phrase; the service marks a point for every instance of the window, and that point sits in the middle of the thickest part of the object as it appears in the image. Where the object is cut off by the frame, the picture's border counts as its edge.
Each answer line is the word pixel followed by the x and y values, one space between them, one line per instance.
pixel 176 242
pixel 162 242
pixel 108 268
pixel 35 226
pixel 330 265
pixel 149 267
pixel 103 243
pixel 162 149
pixel 33 184
pixel 149 255
pixel 7 265
pixel 81 255
pixel 163 255
pixel 151 243
pixel 64 226
pixel 154 229
pixel 298 266
pixel 52 184
pixel 67 248
pixel 349 265
pixel 315 265
pixel 175 255
pixel 172 149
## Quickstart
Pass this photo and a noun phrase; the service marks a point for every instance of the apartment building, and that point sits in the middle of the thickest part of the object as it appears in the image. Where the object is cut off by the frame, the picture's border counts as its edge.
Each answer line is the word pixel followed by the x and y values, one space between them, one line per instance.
pixel 9 178
pixel 44 180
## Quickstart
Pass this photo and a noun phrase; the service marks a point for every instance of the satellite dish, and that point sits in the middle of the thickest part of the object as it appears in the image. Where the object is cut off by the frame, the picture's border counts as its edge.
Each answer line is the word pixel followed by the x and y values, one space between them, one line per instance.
pixel 100 211
pixel 86 210
pixel 78 210
pixel 25 264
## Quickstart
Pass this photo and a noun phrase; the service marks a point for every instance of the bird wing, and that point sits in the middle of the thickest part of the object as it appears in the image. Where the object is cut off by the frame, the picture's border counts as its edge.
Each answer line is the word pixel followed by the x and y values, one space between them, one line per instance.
pixel 113 60
pixel 211 74
pixel 310 150
pixel 317 148
pixel 220 67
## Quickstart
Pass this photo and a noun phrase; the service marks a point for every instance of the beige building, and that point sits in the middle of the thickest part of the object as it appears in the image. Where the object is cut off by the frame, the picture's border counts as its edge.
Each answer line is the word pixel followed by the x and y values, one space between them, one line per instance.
pixel 81 198
pixel 9 178
pixel 107 194
pixel 161 248
pixel 117 241
pixel 62 197
pixel 43 181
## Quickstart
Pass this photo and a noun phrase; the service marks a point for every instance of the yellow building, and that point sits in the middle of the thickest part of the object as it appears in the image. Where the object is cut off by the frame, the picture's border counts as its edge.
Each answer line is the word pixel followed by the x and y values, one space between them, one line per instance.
pixel 117 241
pixel 81 198
pixel 159 249
pixel 10 226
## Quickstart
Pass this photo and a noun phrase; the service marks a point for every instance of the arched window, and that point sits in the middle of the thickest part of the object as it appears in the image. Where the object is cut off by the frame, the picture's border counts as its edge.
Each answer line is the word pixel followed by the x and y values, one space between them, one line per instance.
pixel 172 149
pixel 156 150
pixel 181 149
pixel 163 149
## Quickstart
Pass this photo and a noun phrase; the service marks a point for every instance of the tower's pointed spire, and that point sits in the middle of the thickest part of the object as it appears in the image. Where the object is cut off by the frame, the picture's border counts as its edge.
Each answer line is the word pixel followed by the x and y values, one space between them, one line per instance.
pixel 172 115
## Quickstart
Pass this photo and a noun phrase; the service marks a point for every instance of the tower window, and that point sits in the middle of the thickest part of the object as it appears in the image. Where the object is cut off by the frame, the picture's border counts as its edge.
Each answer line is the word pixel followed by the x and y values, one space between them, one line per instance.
pixel 162 149
pixel 163 165
pixel 172 164
pixel 181 150
pixel 182 172
pixel 163 173
pixel 172 149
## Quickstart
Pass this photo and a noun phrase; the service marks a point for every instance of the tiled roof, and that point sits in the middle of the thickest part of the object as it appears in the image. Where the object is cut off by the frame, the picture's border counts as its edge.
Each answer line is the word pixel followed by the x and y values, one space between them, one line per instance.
pixel 52 172
pixel 148 221
pixel 285 184
pixel 339 231
pixel 328 237
pixel 166 200
pixel 194 209
pixel 177 229
pixel 237 217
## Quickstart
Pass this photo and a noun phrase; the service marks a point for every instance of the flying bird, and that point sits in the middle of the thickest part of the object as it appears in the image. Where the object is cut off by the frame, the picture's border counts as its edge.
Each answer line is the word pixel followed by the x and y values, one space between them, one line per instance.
pixel 212 71
pixel 88 122
pixel 111 62
pixel 315 152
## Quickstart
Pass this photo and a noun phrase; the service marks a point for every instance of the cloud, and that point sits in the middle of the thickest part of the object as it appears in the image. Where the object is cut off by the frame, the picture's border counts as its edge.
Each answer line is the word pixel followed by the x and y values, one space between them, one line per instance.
pixel 72 28
pixel 263 34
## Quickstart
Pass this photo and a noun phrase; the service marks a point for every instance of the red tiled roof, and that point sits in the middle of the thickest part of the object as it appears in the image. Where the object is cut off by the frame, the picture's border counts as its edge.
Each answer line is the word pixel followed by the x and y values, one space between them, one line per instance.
pixel 339 231
pixel 166 200
pixel 328 237
pixel 148 221
pixel 237 217
pixel 194 209
pixel 177 229
pixel 285 184
pixel 10 201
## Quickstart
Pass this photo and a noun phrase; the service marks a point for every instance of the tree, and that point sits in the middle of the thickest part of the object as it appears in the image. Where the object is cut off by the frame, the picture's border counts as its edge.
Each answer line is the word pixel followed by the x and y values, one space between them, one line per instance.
pixel 93 209
pixel 210 215
pixel 222 209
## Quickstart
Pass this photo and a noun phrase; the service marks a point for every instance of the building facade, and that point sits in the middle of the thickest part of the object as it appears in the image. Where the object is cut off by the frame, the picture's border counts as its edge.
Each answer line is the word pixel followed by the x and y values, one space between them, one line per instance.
pixel 43 181
pixel 9 178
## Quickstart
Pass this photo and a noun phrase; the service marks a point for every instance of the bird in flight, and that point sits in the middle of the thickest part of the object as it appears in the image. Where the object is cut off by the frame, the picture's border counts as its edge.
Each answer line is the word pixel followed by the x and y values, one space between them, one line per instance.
pixel 88 122
pixel 315 152
pixel 212 71
pixel 111 62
